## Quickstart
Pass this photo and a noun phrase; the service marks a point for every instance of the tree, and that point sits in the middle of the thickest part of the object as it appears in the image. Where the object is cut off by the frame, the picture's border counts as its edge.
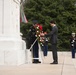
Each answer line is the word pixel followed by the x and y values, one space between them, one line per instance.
pixel 63 11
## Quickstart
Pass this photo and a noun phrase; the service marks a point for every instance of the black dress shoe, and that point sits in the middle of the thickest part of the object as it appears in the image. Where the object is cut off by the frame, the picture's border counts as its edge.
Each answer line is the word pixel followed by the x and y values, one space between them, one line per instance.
pixel 54 63
pixel 36 62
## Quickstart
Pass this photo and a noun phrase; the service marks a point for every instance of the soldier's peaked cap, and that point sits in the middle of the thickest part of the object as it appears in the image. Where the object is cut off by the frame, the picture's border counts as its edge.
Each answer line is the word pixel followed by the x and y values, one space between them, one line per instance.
pixel 35 21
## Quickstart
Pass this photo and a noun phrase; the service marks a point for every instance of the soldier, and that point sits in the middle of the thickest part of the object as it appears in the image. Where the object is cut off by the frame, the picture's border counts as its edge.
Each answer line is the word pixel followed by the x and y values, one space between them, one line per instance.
pixel 73 44
pixel 35 48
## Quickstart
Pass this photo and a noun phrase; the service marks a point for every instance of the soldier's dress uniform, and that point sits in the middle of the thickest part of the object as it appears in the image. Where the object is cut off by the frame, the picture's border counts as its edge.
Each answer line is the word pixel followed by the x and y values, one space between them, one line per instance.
pixel 73 46
pixel 35 48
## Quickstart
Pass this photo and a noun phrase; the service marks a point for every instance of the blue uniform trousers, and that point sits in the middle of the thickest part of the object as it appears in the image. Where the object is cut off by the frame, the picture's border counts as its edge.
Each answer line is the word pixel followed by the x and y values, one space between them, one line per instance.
pixel 73 52
pixel 35 52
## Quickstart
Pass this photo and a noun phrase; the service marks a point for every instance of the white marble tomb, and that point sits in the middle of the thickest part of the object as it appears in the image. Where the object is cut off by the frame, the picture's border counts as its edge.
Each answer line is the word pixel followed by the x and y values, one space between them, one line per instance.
pixel 12 47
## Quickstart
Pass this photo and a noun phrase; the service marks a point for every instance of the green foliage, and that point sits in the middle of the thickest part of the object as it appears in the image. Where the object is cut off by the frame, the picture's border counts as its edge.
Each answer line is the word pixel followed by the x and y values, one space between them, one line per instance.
pixel 62 11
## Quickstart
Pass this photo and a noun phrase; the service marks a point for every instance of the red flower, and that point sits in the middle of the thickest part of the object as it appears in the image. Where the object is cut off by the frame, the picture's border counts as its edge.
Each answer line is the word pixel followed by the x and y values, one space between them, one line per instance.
pixel 40 27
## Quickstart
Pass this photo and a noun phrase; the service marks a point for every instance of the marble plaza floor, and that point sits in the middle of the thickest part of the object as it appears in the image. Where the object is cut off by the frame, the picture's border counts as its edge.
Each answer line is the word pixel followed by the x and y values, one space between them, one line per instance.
pixel 66 66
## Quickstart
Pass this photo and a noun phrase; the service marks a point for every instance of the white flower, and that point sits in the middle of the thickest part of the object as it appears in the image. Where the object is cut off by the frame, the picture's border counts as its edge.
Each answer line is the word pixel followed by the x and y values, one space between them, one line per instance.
pixel 39 35
pixel 36 35
pixel 37 31
pixel 40 40
pixel 37 27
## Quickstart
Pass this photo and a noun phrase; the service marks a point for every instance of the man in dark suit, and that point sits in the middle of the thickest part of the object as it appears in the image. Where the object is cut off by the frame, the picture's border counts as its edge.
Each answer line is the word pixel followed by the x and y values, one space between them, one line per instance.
pixel 53 35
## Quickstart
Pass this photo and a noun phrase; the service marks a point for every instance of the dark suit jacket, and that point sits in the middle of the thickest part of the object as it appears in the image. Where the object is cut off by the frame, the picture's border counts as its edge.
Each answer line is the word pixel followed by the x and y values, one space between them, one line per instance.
pixel 53 35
